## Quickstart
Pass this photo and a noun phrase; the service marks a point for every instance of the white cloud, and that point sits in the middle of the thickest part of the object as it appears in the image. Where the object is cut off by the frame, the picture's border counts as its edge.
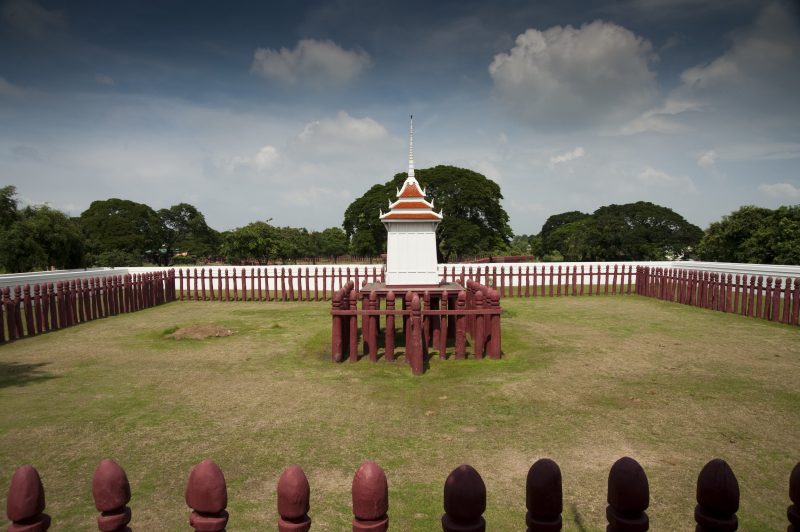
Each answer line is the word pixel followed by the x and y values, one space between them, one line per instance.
pixel 266 157
pixel 656 178
pixel 104 79
pixel 577 153
pixel 311 62
pixel 660 119
pixel 785 191
pixel 30 18
pixel 572 77
pixel 9 90
pixel 707 160
pixel 343 128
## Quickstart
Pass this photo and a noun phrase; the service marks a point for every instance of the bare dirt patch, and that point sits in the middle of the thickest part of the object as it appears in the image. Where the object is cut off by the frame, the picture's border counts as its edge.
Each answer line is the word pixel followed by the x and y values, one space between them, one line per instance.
pixel 199 332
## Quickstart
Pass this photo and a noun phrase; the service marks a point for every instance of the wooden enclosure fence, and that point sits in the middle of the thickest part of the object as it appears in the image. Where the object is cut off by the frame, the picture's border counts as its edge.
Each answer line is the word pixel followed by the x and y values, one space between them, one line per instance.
pixel 465 499
pixel 769 298
pixel 32 310
pixel 432 320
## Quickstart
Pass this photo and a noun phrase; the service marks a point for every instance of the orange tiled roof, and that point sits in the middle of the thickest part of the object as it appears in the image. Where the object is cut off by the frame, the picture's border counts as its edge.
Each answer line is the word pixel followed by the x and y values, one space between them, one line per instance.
pixel 411 216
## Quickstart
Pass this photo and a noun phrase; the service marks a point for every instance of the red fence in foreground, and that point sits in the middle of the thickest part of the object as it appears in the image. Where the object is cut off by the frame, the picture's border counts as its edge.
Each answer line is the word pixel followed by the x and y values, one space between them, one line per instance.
pixel 427 321
pixel 317 284
pixel 465 498
pixel 30 310
pixel 774 299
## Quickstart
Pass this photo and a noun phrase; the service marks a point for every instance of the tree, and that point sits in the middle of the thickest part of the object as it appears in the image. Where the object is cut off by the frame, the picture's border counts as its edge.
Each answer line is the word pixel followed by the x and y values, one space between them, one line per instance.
pixel 554 222
pixel 474 221
pixel 331 242
pixel 292 243
pixel 8 206
pixel 754 235
pixel 41 238
pixel 257 240
pixel 115 225
pixel 183 228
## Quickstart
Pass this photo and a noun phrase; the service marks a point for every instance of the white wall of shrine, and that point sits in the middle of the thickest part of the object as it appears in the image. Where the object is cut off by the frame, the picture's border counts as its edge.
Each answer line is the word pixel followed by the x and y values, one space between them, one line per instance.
pixel 411 254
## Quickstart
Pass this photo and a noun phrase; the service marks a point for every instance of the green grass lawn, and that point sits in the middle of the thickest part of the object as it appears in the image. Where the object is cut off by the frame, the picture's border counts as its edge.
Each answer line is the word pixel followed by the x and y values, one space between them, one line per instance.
pixel 583 381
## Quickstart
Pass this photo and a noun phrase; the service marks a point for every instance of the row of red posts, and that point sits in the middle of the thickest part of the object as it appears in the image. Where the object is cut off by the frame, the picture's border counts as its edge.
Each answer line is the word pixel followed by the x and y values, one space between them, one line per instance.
pixel 756 296
pixel 427 322
pixel 315 284
pixel 464 501
pixel 30 310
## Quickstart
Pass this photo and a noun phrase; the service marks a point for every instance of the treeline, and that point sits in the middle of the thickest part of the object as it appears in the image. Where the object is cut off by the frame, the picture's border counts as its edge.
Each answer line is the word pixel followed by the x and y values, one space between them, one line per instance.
pixel 645 231
pixel 117 232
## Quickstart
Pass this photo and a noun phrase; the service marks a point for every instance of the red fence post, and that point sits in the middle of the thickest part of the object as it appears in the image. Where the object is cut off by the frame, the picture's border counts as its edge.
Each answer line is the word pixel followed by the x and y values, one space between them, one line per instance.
pixel 373 327
pixel 388 352
pixel 479 337
pixel 464 501
pixel 494 335
pixel 370 499
pixel 293 500
pixel 717 498
pixel 793 511
pixel 30 330
pixel 25 502
pixel 461 326
pixel 414 350
pixel 39 299
pixel 111 492
pixel 353 322
pixel 628 497
pixel 442 325
pixel 543 497
pixel 207 496
pixel 62 311
pixel 336 328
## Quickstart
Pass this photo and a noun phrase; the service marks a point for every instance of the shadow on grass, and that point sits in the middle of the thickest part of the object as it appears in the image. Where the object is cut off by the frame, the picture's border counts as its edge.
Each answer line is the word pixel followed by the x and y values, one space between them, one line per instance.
pixel 16 374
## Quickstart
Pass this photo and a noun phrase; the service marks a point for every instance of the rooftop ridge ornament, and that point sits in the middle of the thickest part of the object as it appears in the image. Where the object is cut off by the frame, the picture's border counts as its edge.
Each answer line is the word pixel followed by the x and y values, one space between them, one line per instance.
pixel 411 149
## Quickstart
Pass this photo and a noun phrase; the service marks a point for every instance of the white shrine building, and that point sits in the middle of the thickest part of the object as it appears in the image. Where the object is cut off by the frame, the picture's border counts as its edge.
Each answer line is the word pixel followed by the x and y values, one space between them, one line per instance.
pixel 411 226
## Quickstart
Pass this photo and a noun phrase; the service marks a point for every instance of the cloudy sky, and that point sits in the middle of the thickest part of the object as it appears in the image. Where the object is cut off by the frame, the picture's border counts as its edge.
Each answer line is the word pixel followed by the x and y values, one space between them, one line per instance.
pixel 290 111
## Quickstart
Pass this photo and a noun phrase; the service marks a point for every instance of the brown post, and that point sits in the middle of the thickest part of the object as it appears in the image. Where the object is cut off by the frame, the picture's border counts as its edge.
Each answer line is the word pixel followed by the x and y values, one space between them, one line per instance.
pixel 535 287
pixel 26 304
pixel 111 492
pixel 353 321
pixel 293 500
pixel 194 285
pixel 61 307
pixel 180 282
pixel 760 297
pixel 494 328
pixel 591 279
pixel 426 322
pixel 69 304
pixel 207 496
pixel 558 287
pixel 717 498
pixel 292 293
pixel 464 501
pixel 316 283
pixel 550 291
pixel 793 511
pixel 787 299
pixel 543 497
pixel 235 285
pixel 336 328
pixel 414 349
pixel 308 283
pixel 283 284
pixel 575 280
pixel 370 499
pixel 38 304
pixel 227 287
pixel 388 352
pixel 775 314
pixel 528 281
pixel 503 280
pixel 260 292
pixel 373 327
pixel 606 280
pixel 25 502
pixel 441 326
pixel 480 327
pixel 795 302
pixel 253 285
pixel 203 284
pixel 628 497
pixel 461 326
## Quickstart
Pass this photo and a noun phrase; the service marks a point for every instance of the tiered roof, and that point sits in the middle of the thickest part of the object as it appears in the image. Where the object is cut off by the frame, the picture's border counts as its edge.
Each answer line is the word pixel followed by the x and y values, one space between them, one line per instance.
pixel 411 204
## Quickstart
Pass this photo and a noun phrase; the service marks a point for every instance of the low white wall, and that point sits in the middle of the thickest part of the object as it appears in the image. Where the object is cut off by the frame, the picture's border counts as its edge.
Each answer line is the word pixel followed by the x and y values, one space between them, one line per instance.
pixel 31 278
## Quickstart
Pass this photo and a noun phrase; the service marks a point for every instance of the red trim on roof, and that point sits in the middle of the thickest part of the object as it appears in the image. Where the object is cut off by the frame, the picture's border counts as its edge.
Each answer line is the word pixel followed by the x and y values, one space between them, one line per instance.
pixel 411 216
pixel 411 191
pixel 411 205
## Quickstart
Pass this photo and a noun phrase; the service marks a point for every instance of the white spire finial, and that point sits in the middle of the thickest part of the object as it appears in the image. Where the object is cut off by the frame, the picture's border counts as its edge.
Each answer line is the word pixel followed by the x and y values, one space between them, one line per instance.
pixel 411 149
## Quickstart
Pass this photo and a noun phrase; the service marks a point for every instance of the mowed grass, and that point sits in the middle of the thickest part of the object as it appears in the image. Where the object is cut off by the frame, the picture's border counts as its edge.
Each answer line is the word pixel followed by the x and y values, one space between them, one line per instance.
pixel 584 381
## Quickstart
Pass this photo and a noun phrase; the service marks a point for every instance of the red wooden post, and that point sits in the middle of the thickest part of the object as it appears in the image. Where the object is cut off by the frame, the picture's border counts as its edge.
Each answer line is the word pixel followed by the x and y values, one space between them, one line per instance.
pixel 308 283
pixel 38 306
pixel 293 500
pixel 787 299
pixel 275 283
pixel 69 305
pixel 558 288
pixel 28 311
pixel 442 325
pixel 194 285
pixel 535 287
pixel 480 327
pixel 235 283
pixel 605 292
pixel 111 492
pixel 25 502
pixel 628 497
pixel 336 328
pixel 550 292
pixel 793 511
pixel 252 285
pixel 751 299
pixel 180 282
pixel 388 352
pixel 358 282
pixel 207 496
pixel 258 278
pixel 464 501
pixel 203 284
pixel 414 349
pixel 316 283
pixel 717 498
pixel 495 348
pixel 775 313
pixel 373 327
pixel 614 284
pixel 503 281
pixel 52 303
pixel 292 293
pixel 61 307
pixel 574 279
pixel 353 322
pixel 283 284
pixel 494 276
pixel 760 297
pixel 528 281
pixel 435 301
pixel 728 288
pixel 227 286
pixel 370 499
pixel 461 326
pixel 543 497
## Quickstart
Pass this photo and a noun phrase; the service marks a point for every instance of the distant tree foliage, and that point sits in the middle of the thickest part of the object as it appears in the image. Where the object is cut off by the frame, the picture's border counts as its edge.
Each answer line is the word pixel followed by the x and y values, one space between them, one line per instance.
pixel 474 221
pixel 634 231
pixel 8 206
pixel 41 238
pixel 183 229
pixel 754 235
pixel 116 226
pixel 554 222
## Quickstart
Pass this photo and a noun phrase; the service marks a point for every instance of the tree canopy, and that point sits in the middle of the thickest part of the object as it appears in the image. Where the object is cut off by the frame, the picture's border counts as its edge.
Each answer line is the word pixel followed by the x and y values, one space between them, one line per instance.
pixel 474 221
pixel 123 229
pixel 41 238
pixel 754 235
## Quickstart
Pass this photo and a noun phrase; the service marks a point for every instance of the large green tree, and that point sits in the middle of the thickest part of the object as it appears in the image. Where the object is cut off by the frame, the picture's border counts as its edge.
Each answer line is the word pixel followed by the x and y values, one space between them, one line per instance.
pixel 474 221
pixel 39 239
pixel 255 241
pixel 331 242
pixel 8 206
pixel 120 230
pixel 553 223
pixel 754 235
pixel 184 229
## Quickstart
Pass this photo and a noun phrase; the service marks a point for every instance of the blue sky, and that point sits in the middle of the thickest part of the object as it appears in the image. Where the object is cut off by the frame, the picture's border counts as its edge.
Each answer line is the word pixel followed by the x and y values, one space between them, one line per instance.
pixel 290 110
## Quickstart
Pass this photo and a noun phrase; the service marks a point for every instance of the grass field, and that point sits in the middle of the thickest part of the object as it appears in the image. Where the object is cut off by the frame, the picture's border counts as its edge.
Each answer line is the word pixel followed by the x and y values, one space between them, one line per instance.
pixel 583 381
